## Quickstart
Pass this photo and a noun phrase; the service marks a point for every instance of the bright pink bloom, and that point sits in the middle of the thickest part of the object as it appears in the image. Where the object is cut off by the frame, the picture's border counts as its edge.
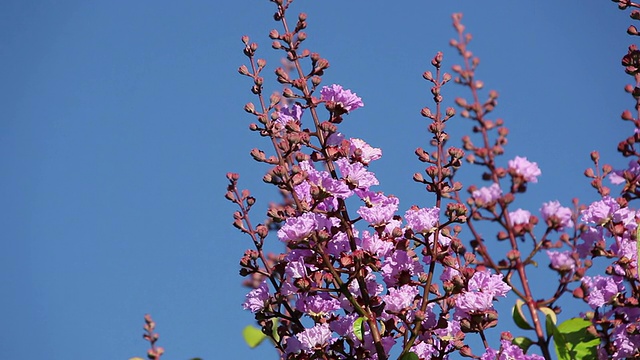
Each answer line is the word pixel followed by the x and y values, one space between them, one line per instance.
pixel 555 214
pixel 344 98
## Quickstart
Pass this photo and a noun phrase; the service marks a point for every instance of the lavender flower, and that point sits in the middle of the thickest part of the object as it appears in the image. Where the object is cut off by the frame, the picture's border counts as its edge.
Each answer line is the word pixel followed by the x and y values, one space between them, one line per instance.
pixel 508 351
pixel 561 261
pixel 487 195
pixel 556 216
pixel 317 305
pixel 422 220
pixel 489 283
pixel 343 98
pixel 617 176
pixel 400 299
pixel 356 174
pixel 519 217
pixel 600 212
pixel 399 265
pixel 309 339
pixel 601 289
pixel 363 152
pixel 287 114
pixel 528 170
pixel 379 208
pixel 256 298
pixel 298 228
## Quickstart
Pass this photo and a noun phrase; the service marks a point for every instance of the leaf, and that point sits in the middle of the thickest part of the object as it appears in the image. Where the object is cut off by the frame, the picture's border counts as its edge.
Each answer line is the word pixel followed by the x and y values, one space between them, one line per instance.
pixel 558 340
pixel 358 328
pixel 253 336
pixel 579 342
pixel 522 342
pixel 409 356
pixel 550 313
pixel 518 316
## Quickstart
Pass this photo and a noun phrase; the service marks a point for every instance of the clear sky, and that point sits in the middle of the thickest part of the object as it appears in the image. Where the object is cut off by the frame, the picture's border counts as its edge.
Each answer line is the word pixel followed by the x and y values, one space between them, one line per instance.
pixel 119 120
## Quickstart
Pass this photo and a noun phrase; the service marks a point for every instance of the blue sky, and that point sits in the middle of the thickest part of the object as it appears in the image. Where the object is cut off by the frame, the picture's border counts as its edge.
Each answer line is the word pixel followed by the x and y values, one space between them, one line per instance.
pixel 119 120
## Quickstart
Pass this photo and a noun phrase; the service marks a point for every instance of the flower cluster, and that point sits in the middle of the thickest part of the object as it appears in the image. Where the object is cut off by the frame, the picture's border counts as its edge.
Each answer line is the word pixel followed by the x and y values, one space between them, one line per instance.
pixel 362 272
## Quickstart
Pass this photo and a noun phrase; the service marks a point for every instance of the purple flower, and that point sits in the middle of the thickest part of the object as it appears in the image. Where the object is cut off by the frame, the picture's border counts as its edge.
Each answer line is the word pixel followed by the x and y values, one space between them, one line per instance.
pixel 398 264
pixel 287 114
pixel 298 228
pixel 363 152
pixel 422 220
pixel 379 209
pixel 472 301
pixel 617 176
pixel 487 195
pixel 561 261
pixel 590 237
pixel 508 351
pixel 343 98
pixel 556 216
pixel 488 283
pixel 626 345
pixel 310 339
pixel 317 305
pixel 356 174
pixel 519 217
pixel 600 212
pixel 400 299
pixel 256 298
pixel 523 167
pixel 323 180
pixel 374 245
pixel 601 289
pixel 424 350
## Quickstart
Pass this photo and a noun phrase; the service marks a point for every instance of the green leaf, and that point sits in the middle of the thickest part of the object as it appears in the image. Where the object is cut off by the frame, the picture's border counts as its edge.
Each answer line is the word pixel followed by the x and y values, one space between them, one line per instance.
pixel 518 316
pixel 409 356
pixel 523 343
pixel 253 336
pixel 558 340
pixel 358 328
pixel 550 313
pixel 580 344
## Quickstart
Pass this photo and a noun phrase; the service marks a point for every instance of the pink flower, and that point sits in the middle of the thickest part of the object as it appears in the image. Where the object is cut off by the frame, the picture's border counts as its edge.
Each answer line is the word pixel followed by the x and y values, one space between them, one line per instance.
pixel 400 299
pixel 422 220
pixel 528 170
pixel 519 217
pixel 310 339
pixel 363 152
pixel 256 298
pixel 561 261
pixel 556 216
pixel 487 195
pixel 601 289
pixel 343 98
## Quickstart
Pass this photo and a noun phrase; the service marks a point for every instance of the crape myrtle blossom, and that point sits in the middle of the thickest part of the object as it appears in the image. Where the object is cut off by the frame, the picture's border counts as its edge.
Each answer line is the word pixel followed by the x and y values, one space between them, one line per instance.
pixel 359 150
pixel 324 180
pixel 343 98
pixel 519 217
pixel 556 216
pixel 400 299
pixel 601 289
pixel 400 267
pixel 617 176
pixel 310 339
pixel 487 195
pixel 625 344
pixel 561 261
pixel 356 174
pixel 523 167
pixel 508 351
pixel 299 227
pixel 256 298
pixel 423 220
pixel 481 289
pixel 378 209
pixel 600 212
pixel 317 305
pixel 287 114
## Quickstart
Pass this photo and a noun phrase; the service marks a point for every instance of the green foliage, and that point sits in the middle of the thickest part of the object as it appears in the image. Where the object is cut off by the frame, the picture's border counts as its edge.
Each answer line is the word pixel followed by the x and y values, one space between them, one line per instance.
pixel 575 341
pixel 358 328
pixel 518 316
pixel 410 356
pixel 523 343
pixel 253 336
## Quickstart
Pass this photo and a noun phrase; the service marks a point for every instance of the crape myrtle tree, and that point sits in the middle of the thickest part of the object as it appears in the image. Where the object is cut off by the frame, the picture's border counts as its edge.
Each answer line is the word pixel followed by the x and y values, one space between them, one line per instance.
pixel 361 277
